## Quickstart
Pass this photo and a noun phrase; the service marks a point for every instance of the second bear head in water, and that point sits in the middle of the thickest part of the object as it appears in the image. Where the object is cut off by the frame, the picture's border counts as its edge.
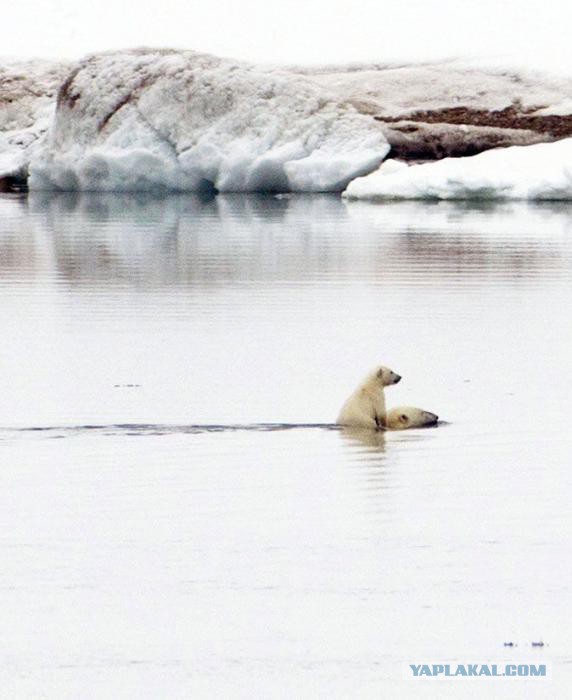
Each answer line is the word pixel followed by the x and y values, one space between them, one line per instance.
pixel 403 417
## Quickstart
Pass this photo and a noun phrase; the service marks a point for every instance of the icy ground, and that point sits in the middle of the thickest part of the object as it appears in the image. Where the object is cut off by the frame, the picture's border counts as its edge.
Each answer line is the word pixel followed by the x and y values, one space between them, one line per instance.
pixel 454 108
pixel 398 90
pixel 178 120
pixel 27 100
pixel 539 172
pixel 152 119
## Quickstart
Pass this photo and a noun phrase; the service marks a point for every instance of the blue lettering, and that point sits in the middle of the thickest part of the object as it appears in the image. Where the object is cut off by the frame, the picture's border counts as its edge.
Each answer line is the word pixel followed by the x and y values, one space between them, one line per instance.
pixel 478 670
pixel 537 670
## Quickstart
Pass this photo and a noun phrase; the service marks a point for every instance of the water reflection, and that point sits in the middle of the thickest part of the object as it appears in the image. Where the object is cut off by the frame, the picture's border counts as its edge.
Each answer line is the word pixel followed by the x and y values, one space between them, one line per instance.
pixel 374 440
pixel 183 240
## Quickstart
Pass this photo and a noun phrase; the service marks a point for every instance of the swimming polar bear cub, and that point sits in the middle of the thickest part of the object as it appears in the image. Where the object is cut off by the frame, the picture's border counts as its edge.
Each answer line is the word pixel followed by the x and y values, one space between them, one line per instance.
pixel 365 408
pixel 403 417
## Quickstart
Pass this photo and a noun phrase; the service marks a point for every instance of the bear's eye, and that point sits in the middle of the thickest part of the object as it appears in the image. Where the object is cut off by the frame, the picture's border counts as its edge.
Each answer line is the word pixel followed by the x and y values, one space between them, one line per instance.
pixel 404 418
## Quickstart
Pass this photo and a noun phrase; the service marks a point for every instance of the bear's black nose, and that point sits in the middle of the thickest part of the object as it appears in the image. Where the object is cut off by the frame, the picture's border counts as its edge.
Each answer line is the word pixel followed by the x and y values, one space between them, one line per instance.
pixel 397 378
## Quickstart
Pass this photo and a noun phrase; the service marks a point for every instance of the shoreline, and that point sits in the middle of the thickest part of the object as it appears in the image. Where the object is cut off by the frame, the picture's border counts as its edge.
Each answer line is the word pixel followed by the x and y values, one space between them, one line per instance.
pixel 426 112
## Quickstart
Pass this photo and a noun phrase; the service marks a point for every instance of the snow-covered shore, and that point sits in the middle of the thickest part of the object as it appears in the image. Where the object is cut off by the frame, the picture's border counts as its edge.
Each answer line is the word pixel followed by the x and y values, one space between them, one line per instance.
pixel 454 108
pixel 539 172
pixel 179 120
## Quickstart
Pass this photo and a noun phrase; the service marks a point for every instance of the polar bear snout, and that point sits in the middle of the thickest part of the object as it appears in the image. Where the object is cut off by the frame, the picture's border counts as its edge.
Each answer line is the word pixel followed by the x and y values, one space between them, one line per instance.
pixel 431 418
pixel 383 376
pixel 389 377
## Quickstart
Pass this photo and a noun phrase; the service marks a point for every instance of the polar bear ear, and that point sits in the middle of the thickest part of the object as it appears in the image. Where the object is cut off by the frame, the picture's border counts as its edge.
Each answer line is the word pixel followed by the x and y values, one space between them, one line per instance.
pixel 380 373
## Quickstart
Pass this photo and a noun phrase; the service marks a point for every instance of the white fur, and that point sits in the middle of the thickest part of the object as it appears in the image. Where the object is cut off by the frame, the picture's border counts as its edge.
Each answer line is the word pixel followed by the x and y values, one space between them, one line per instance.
pixel 365 408
pixel 403 417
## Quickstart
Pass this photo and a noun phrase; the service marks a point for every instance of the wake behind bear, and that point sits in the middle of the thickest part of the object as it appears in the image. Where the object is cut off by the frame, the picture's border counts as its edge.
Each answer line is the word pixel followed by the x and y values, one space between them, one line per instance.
pixel 365 408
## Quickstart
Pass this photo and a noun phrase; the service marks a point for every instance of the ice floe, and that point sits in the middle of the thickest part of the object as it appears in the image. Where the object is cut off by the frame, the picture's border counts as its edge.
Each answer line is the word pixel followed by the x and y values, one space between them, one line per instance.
pixel 179 120
pixel 539 172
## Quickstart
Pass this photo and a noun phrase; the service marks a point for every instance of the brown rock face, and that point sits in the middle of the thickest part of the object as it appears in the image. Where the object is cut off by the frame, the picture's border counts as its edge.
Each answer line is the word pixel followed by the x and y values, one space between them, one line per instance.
pixel 431 141
pixel 557 126
pixel 460 131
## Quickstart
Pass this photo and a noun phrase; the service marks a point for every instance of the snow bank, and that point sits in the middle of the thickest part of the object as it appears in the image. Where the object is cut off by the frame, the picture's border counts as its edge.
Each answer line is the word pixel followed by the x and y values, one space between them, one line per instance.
pixel 542 171
pixel 398 90
pixel 179 120
pixel 27 101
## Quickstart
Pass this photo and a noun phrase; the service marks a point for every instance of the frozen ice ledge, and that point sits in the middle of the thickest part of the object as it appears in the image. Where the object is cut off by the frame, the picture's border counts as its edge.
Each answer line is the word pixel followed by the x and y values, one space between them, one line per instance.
pixel 166 120
pixel 149 120
pixel 539 172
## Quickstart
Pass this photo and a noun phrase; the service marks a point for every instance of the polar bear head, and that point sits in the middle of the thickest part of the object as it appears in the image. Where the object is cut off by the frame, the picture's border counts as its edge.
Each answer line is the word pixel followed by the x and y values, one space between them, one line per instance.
pixel 404 417
pixel 384 376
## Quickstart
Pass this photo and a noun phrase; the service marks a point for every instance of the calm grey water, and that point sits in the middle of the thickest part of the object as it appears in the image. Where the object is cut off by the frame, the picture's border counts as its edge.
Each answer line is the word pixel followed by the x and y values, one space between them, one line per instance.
pixel 143 556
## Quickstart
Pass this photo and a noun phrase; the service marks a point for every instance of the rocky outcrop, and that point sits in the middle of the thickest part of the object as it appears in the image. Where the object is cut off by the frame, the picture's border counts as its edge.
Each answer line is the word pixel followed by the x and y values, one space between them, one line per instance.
pixel 420 141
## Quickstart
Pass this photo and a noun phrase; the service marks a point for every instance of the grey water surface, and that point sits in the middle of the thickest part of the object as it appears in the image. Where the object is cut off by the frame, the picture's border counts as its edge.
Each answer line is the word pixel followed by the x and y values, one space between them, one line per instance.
pixel 178 516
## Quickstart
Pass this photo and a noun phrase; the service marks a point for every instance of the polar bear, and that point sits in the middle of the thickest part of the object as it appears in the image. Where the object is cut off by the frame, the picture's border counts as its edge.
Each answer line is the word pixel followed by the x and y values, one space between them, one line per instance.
pixel 403 417
pixel 365 408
